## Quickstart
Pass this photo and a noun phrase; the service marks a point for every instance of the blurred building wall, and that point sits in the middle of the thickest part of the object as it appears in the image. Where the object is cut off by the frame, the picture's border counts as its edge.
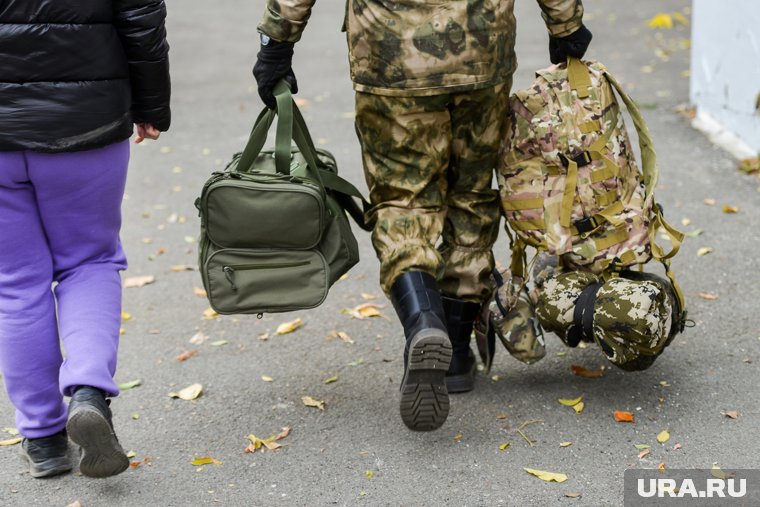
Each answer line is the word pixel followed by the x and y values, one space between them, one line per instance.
pixel 725 66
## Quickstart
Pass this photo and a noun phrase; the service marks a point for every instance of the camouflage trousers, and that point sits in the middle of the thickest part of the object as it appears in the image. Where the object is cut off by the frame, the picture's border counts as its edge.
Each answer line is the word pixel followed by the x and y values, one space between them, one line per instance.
pixel 429 164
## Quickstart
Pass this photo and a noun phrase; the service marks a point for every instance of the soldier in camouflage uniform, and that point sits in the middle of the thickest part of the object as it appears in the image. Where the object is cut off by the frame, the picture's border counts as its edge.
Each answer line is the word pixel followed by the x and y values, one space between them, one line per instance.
pixel 432 82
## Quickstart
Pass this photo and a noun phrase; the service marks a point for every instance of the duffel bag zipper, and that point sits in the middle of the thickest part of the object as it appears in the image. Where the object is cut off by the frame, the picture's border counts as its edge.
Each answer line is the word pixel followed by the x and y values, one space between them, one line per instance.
pixel 229 271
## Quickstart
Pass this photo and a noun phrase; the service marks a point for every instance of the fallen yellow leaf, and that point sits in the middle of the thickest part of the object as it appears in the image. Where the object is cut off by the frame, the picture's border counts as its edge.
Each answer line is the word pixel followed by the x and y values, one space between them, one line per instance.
pixel 503 446
pixel 704 251
pixel 570 403
pixel 364 311
pixel 331 380
pixel 198 338
pixel 267 378
pixel 661 20
pixel 138 281
pixel 661 468
pixel 205 461
pixel 716 472
pixel 663 436
pixel 289 327
pixel 125 316
pixel 369 474
pixel 11 441
pixel 189 393
pixel 730 209
pixel 199 292
pixel 708 296
pixel 129 385
pixel 709 201
pixel 209 314
pixel 644 453
pixel 458 437
pixel 578 407
pixel 732 414
pixel 547 476
pixel 565 444
pixel 685 222
pixel 311 402
pixel 368 296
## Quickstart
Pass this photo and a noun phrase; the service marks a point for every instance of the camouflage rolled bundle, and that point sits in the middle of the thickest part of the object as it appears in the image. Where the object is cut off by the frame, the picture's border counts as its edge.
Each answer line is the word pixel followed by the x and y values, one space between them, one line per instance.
pixel 511 316
pixel 631 317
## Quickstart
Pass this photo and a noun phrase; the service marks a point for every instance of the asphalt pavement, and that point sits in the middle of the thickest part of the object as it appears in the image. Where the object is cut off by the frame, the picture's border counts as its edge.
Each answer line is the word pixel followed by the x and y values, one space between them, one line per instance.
pixel 357 451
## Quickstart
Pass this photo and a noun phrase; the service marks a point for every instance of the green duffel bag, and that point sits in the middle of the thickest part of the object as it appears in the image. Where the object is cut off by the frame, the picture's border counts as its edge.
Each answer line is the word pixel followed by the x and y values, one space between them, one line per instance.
pixel 274 229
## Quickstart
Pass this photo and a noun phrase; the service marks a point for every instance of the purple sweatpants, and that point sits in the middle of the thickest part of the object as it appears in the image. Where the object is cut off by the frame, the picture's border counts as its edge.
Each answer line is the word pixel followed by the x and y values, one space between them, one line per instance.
pixel 60 216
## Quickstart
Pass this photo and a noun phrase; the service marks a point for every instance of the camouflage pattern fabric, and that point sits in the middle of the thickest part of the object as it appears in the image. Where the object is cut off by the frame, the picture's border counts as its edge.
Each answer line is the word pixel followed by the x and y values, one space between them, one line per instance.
pixel 513 317
pixel 429 163
pixel 549 121
pixel 635 315
pixel 425 47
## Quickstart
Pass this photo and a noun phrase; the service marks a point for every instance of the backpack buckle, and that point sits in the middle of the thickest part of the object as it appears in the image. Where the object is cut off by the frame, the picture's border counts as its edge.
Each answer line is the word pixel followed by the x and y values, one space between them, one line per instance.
pixel 581 159
pixel 585 225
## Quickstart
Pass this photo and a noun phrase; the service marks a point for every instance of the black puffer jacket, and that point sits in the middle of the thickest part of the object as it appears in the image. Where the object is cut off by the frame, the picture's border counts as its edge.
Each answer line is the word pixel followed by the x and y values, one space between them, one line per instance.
pixel 75 74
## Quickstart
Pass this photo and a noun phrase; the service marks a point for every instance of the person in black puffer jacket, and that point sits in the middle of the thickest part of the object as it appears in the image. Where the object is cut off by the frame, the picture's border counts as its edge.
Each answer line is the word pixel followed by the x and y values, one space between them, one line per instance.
pixel 75 75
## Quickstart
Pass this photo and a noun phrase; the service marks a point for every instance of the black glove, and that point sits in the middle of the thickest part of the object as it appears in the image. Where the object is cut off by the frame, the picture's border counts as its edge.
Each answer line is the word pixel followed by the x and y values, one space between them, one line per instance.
pixel 574 44
pixel 274 62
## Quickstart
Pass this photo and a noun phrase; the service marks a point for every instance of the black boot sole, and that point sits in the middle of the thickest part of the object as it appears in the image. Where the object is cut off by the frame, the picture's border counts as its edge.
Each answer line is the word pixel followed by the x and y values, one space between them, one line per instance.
pixel 102 455
pixel 424 398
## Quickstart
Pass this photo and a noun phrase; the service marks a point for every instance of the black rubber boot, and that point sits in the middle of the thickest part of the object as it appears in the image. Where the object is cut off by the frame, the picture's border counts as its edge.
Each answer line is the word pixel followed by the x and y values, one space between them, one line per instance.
pixel 424 398
pixel 91 428
pixel 47 456
pixel 460 317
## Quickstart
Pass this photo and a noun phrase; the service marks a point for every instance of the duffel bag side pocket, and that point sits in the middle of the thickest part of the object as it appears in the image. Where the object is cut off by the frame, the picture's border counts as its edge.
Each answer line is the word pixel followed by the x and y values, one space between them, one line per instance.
pixel 265 281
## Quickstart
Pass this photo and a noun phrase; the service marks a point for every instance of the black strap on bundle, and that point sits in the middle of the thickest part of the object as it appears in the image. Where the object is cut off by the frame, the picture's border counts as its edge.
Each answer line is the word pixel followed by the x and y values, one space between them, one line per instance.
pixel 583 317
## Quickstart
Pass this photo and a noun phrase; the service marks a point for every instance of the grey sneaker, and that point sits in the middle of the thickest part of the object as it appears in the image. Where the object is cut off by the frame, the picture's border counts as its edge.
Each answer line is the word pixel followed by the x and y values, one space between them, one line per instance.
pixel 47 456
pixel 90 427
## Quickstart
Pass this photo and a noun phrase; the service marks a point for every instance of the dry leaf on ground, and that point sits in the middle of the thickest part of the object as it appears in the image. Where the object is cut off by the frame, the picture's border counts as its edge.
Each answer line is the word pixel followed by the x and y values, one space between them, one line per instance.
pixel 342 335
pixel 138 281
pixel 583 372
pixel 205 461
pixel 270 442
pixel 708 296
pixel 186 355
pixel 364 311
pixel 644 453
pixel 565 444
pixel 709 201
pixel 663 436
pixel 570 403
pixel 730 209
pixel 731 414
pixel 199 292
pixel 209 314
pixel 621 416
pixel 198 338
pixel 573 495
pixel 311 402
pixel 578 407
pixel 661 468
pixel 331 380
pixel 267 378
pixel 129 385
pixel 179 268
pixel 704 251
pixel 189 393
pixel 289 327
pixel 11 441
pixel 503 446
pixel 547 476
pixel 75 504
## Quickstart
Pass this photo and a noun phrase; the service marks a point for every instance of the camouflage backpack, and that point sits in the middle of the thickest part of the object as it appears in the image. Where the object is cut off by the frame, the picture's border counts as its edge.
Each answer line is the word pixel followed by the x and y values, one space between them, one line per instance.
pixel 570 185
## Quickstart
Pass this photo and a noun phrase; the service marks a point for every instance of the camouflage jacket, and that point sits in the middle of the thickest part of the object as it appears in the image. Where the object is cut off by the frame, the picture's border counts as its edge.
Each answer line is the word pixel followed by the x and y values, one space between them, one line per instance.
pixel 425 47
